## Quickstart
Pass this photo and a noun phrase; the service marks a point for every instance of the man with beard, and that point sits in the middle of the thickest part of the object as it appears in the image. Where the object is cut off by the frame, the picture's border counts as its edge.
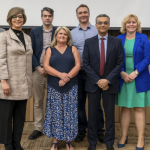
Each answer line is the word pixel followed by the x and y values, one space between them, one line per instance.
pixel 84 31
pixel 41 38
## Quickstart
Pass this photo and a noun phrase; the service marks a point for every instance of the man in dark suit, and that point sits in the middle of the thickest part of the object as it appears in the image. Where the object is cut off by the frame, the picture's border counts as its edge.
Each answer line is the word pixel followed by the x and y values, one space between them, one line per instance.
pixel 41 38
pixel 102 61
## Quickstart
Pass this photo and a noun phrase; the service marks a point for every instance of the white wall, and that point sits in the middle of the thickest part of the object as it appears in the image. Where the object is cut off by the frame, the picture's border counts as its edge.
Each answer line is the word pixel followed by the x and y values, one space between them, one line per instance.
pixel 64 10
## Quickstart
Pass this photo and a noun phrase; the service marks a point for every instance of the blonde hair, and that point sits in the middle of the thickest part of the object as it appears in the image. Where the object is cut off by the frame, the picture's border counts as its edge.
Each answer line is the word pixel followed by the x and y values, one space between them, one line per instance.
pixel 69 40
pixel 126 19
pixel 15 11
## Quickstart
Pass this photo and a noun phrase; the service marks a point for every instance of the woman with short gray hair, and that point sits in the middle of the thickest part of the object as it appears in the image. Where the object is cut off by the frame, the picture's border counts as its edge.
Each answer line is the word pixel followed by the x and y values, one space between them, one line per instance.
pixel 15 79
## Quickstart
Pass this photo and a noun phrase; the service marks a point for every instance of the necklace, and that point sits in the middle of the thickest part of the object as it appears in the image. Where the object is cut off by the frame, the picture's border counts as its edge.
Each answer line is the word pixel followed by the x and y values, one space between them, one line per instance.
pixel 126 56
pixel 18 34
pixel 62 51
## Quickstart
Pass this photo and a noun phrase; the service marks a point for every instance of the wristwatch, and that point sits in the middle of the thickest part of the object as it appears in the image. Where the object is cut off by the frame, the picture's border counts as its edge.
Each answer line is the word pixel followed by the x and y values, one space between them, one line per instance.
pixel 136 72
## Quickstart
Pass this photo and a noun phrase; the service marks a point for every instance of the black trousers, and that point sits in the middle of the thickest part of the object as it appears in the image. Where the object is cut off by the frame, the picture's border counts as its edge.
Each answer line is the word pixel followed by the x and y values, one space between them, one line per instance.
pixel 11 131
pixel 109 108
pixel 82 121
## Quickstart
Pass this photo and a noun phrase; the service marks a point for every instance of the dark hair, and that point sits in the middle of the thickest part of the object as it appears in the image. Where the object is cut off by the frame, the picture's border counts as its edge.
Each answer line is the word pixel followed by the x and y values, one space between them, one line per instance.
pixel 15 11
pixel 51 11
pixel 102 15
pixel 83 5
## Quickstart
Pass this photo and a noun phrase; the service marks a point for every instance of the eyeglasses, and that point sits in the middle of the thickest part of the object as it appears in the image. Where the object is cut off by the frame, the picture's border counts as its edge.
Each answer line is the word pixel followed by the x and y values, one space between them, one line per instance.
pixel 100 23
pixel 19 17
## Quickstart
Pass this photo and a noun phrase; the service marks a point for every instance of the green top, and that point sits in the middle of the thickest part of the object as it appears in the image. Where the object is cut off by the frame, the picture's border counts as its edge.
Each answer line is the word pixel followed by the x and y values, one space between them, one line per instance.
pixel 128 97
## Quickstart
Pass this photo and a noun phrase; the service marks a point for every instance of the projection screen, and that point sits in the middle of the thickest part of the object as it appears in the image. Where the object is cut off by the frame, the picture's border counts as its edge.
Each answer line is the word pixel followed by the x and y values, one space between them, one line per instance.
pixel 65 14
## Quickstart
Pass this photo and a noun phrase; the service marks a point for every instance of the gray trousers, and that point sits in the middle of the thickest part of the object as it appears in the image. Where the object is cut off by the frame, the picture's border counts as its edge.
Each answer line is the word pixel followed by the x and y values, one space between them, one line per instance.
pixel 39 86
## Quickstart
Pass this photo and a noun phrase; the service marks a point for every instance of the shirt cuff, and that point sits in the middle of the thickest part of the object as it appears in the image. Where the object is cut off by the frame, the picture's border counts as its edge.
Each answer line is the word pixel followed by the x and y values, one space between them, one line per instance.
pixel 37 67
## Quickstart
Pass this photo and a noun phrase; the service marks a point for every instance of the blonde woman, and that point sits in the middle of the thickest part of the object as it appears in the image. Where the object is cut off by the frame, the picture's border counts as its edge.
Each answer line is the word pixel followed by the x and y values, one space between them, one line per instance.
pixel 15 79
pixel 134 79
pixel 62 63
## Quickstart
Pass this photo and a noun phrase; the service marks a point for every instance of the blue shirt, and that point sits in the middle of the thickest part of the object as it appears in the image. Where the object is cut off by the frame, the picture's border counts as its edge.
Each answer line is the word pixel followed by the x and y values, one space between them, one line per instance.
pixel 105 44
pixel 79 36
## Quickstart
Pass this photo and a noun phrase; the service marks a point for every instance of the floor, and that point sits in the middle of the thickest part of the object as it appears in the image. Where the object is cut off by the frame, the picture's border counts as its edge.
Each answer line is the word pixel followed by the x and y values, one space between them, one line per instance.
pixel 44 143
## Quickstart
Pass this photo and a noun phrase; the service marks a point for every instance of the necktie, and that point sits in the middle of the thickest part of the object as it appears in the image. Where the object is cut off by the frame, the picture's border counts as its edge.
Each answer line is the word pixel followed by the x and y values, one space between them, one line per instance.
pixel 102 58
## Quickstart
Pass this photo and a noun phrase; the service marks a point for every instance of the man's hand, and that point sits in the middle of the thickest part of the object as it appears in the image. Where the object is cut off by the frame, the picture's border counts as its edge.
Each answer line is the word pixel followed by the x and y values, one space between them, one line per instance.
pixel 106 88
pixel 41 71
pixel 64 76
pixel 5 87
pixel 102 83
pixel 127 78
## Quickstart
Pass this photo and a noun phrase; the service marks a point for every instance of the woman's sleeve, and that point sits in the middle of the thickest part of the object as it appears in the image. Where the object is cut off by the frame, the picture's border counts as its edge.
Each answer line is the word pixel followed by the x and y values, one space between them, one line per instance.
pixel 143 65
pixel 3 57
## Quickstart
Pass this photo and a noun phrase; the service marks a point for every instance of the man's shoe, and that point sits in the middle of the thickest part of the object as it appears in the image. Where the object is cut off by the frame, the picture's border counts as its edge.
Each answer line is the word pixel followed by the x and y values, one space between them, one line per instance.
pixel 8 147
pixel 35 135
pixel 92 147
pixel 101 138
pixel 110 147
pixel 80 137
pixel 18 148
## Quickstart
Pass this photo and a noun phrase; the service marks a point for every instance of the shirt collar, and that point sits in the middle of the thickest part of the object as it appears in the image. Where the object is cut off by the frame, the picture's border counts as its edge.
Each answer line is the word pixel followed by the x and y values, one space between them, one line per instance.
pixel 106 36
pixel 49 30
pixel 88 27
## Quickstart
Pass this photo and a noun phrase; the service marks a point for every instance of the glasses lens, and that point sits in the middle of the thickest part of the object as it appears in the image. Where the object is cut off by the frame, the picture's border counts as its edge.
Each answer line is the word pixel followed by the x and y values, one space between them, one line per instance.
pixel 20 16
pixel 99 23
pixel 105 23
pixel 14 16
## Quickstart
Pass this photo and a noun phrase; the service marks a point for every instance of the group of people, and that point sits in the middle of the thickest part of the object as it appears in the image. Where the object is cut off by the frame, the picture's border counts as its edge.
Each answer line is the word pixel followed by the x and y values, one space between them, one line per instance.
pixel 71 65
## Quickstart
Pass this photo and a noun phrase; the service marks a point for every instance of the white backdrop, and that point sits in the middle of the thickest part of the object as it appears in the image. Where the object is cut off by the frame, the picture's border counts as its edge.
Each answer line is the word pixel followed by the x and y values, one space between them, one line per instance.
pixel 64 10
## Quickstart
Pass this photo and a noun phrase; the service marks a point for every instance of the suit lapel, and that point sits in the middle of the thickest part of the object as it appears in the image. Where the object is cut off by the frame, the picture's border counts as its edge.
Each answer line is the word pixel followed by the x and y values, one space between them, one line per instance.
pixel 137 41
pixel 26 42
pixel 41 37
pixel 96 45
pixel 53 31
pixel 109 46
pixel 18 43
pixel 13 35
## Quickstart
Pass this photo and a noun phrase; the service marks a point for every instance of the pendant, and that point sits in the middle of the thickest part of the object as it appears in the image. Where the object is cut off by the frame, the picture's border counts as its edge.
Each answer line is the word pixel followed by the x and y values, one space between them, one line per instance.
pixel 61 52
pixel 18 34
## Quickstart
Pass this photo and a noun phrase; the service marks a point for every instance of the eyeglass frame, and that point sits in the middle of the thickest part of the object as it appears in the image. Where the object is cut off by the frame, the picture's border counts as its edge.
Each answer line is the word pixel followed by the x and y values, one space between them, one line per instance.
pixel 101 23
pixel 17 16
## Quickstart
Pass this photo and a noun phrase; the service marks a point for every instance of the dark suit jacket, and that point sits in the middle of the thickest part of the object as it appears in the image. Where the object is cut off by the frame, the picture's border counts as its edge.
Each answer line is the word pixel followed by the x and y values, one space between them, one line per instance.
pixel 36 35
pixel 113 64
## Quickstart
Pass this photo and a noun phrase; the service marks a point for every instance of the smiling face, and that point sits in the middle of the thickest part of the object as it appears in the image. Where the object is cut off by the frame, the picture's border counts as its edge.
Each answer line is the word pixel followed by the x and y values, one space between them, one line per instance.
pixel 62 36
pixel 131 25
pixel 17 21
pixel 83 15
pixel 102 25
pixel 47 18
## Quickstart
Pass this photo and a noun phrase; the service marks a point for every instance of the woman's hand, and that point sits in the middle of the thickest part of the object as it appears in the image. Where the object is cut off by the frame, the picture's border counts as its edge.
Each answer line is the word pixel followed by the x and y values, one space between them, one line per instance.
pixel 5 87
pixel 64 76
pixel 125 77
pixel 133 75
pixel 62 83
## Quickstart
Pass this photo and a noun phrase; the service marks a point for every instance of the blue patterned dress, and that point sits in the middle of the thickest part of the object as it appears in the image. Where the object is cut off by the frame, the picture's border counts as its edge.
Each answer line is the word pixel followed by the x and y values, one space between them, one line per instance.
pixel 61 118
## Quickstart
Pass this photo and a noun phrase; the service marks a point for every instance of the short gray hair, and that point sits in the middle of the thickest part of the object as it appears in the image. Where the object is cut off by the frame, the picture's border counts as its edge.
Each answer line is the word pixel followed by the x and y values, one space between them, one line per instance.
pixel 102 15
pixel 51 11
